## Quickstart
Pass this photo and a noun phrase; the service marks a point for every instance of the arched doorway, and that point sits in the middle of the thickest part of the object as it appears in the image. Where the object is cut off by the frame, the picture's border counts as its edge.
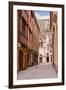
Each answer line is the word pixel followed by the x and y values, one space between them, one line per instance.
pixel 47 57
pixel 41 58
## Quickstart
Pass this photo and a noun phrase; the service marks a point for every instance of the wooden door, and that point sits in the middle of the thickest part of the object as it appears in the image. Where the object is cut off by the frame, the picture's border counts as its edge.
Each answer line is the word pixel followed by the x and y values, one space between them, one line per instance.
pixel 40 59
pixel 47 59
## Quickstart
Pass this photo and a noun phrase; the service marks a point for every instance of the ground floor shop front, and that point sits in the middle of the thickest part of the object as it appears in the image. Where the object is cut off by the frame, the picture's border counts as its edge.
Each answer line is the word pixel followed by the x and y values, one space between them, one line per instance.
pixel 26 58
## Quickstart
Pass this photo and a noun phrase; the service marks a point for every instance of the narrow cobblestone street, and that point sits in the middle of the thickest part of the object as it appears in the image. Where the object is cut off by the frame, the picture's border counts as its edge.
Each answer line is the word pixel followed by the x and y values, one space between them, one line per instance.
pixel 38 72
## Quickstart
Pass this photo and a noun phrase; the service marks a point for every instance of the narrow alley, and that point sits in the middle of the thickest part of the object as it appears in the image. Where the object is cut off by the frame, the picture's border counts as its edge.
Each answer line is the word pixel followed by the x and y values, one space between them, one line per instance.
pixel 38 72
pixel 37 45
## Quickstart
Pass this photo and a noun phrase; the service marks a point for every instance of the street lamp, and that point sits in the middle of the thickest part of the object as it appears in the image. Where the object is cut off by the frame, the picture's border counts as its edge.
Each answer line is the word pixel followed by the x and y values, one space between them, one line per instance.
pixel 18 44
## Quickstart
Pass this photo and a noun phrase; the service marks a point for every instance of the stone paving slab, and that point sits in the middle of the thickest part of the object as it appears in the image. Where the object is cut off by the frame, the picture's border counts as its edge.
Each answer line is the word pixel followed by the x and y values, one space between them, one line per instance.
pixel 38 72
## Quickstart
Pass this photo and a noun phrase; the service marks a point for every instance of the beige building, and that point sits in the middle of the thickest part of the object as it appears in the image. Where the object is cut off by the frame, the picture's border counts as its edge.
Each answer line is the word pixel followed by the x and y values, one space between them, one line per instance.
pixel 45 41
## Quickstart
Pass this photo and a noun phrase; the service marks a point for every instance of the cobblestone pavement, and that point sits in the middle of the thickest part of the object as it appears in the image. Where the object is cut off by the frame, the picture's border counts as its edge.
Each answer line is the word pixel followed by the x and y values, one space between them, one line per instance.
pixel 38 72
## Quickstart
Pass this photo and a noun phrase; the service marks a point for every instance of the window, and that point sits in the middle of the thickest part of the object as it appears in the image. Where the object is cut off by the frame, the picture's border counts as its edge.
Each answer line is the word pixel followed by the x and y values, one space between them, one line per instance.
pixel 41 44
pixel 23 26
pixel 26 30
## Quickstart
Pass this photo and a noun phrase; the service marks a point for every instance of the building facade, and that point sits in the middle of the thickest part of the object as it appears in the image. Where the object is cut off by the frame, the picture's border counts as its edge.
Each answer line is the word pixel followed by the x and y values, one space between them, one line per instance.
pixel 45 41
pixel 35 39
pixel 48 46
pixel 22 43
pixel 27 41
pixel 53 27
pixel 33 36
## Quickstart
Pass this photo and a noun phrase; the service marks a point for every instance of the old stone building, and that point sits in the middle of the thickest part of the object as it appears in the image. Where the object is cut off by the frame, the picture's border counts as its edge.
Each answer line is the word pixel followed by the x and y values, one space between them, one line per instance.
pixel 45 41
pixel 22 29
pixel 35 39
pixel 28 33
pixel 41 58
pixel 48 45
pixel 53 27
